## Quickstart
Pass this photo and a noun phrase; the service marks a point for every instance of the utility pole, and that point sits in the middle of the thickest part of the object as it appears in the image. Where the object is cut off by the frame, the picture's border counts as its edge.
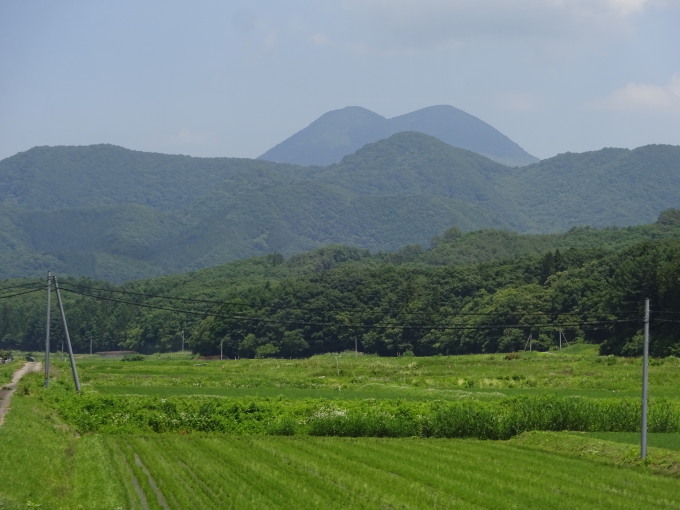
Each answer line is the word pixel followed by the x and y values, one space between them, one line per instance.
pixel 562 335
pixel 645 363
pixel 68 338
pixel 47 332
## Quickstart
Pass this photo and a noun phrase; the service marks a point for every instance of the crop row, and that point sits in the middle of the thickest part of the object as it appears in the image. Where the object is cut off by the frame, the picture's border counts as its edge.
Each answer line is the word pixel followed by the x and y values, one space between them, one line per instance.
pixel 209 471
pixel 483 419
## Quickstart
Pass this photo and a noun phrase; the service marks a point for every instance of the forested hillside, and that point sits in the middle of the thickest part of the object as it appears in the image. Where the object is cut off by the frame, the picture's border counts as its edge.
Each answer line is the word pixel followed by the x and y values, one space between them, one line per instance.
pixel 113 214
pixel 616 186
pixel 532 291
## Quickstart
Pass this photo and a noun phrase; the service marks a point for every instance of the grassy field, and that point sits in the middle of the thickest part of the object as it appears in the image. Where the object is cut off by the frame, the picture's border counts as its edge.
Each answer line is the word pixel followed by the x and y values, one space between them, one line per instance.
pixel 346 375
pixel 99 449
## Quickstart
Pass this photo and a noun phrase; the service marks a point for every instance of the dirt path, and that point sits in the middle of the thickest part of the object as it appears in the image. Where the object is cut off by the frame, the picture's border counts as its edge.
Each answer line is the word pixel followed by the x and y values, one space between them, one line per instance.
pixel 8 390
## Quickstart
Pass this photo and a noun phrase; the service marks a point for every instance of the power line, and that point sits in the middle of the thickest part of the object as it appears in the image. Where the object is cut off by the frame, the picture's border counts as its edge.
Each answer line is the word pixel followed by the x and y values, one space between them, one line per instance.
pixel 22 285
pixel 365 325
pixel 137 303
pixel 20 293
pixel 270 306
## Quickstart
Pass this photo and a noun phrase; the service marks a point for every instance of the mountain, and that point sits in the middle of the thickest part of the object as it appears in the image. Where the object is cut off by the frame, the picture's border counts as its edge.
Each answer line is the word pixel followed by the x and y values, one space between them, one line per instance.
pixel 341 132
pixel 330 138
pixel 608 187
pixel 111 213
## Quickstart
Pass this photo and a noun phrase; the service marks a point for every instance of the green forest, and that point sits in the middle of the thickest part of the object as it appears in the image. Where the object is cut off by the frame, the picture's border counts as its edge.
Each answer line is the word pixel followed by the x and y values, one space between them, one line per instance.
pixel 476 292
pixel 113 214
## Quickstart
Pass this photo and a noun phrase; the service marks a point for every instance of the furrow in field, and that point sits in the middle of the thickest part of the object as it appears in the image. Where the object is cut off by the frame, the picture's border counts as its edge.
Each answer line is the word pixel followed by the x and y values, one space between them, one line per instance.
pixel 343 463
pixel 601 485
pixel 250 479
pixel 568 482
pixel 486 464
pixel 427 483
pixel 274 476
pixel 135 494
pixel 338 480
pixel 160 498
pixel 161 460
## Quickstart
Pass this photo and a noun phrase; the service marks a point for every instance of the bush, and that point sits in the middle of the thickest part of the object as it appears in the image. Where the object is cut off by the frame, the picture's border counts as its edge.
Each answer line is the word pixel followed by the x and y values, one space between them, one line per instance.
pixel 133 357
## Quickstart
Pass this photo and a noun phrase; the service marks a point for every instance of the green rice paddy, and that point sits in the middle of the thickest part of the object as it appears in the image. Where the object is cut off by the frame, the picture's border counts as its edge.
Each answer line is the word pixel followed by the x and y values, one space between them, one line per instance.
pixel 343 431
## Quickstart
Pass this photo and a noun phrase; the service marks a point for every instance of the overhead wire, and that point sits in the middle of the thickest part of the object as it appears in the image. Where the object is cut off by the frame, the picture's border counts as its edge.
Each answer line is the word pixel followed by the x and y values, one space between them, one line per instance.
pixel 621 318
pixel 20 293
pixel 364 325
pixel 270 306
pixel 22 285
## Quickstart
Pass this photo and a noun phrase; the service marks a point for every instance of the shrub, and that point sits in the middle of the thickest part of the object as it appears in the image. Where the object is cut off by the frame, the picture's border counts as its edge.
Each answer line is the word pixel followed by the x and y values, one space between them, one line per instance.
pixel 133 357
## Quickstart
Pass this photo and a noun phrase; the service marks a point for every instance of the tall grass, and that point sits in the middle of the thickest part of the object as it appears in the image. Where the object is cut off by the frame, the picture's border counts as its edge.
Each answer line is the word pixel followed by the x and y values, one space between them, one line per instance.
pixel 499 418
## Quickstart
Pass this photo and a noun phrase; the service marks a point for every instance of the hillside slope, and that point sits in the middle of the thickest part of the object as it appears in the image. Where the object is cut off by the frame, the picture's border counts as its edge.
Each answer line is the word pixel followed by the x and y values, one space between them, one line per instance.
pixel 609 187
pixel 115 214
pixel 341 132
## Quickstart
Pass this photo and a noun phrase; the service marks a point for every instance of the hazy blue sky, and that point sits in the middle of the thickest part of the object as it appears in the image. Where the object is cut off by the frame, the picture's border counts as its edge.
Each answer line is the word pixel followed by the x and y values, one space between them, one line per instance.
pixel 234 78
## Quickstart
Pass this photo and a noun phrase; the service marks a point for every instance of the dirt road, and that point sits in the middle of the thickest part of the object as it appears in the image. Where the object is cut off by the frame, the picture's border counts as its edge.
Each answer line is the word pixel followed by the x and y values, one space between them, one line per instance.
pixel 8 390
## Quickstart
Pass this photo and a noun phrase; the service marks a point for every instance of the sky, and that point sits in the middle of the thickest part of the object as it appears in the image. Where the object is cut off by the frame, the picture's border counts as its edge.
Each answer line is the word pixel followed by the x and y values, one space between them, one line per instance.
pixel 234 78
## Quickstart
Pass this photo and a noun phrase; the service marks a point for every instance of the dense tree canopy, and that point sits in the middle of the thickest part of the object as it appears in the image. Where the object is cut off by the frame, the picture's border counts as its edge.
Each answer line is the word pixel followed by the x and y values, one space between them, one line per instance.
pixel 338 298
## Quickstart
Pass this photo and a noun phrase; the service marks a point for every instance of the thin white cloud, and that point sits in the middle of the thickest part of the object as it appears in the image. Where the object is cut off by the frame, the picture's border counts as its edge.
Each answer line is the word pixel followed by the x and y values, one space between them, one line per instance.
pixel 626 7
pixel 432 23
pixel 645 97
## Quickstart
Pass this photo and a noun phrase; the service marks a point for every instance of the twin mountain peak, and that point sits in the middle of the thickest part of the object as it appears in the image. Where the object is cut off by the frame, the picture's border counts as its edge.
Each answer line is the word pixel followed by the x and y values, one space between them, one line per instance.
pixel 351 177
pixel 339 133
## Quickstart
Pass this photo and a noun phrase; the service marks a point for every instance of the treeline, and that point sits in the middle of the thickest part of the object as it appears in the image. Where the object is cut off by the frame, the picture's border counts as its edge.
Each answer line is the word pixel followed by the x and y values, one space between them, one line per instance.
pixel 341 298
pixel 536 301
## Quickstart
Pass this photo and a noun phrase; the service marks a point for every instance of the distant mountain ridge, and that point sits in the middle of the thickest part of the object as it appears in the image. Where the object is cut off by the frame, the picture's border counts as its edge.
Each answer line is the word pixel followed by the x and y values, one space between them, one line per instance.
pixel 339 133
pixel 116 214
